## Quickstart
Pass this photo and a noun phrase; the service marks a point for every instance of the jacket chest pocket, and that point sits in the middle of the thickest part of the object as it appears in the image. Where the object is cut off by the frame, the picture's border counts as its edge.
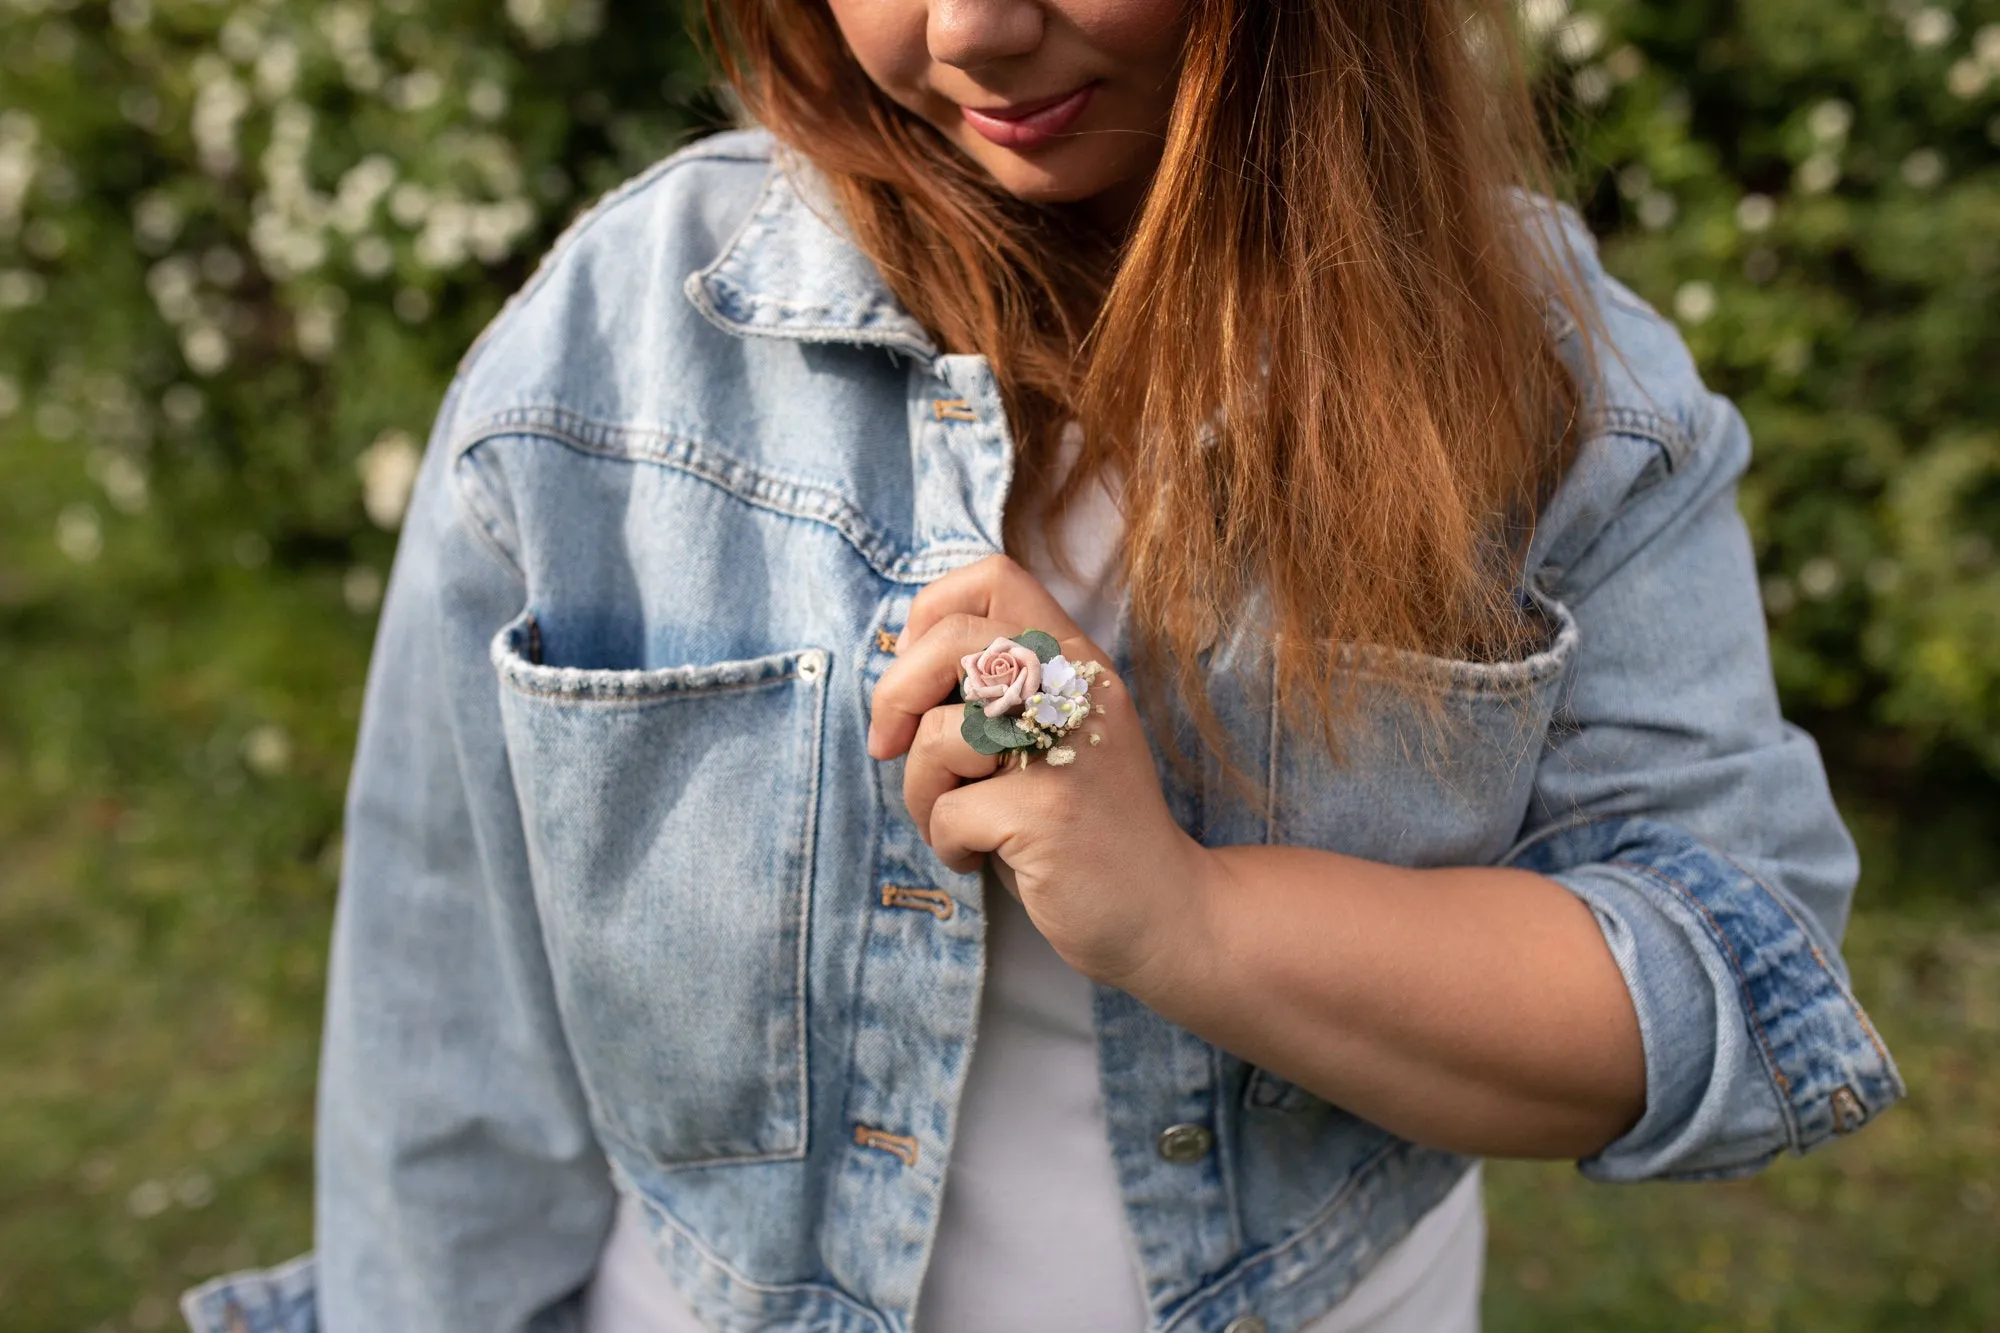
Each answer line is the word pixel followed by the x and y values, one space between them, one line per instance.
pixel 670 818
pixel 1449 788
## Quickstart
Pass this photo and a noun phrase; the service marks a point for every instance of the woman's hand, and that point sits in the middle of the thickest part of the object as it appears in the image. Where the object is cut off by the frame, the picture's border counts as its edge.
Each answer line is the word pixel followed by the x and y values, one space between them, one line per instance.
pixel 1473 1008
pixel 1089 848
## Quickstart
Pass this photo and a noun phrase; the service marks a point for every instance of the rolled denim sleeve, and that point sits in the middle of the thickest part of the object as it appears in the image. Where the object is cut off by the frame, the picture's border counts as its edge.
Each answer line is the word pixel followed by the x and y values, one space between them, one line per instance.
pixel 459 1183
pixel 1695 822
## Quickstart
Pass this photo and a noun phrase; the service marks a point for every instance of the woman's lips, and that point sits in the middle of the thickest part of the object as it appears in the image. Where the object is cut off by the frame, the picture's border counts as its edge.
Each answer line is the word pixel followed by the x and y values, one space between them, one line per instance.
pixel 1029 124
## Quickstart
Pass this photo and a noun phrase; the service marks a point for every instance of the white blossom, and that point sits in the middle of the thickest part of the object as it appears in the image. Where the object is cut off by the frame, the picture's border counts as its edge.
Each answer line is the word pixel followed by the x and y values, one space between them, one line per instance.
pixel 1923 169
pixel 1986 47
pixel 361 589
pixel 219 104
pixel 267 750
pixel 122 477
pixel 1579 37
pixel 388 469
pixel 1756 212
pixel 373 256
pixel 204 347
pixel 20 288
pixel 1540 17
pixel 486 99
pixel 18 161
pixel 1930 27
pixel 182 404
pixel 156 221
pixel 1830 120
pixel 1819 578
pixel 79 534
pixel 1817 174
pixel 277 70
pixel 1694 302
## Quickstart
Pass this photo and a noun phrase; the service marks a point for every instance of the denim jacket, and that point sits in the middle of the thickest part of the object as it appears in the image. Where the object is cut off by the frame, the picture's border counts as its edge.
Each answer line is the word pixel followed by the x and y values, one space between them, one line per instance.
pixel 627 905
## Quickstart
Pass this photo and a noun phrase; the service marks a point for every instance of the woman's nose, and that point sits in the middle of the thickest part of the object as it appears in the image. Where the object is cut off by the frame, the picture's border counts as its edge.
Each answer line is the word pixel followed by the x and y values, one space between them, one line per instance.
pixel 970 33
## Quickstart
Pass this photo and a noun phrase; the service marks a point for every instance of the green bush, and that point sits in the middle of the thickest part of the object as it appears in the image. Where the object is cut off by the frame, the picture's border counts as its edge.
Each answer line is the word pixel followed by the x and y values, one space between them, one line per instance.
pixel 1812 191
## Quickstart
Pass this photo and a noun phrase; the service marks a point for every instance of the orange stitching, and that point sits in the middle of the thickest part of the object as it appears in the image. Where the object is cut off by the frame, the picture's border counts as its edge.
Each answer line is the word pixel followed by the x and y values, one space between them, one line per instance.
pixel 885 641
pixel 953 409
pixel 1735 963
pixel 903 1147
pixel 935 901
pixel 1860 1015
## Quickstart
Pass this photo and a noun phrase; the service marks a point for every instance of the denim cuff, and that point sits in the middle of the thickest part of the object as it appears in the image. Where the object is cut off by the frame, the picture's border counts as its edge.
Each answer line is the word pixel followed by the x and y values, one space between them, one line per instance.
pixel 1753 1042
pixel 284 1299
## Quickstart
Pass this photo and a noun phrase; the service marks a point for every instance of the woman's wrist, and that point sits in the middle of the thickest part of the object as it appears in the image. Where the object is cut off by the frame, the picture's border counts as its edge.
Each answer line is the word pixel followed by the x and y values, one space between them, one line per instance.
pixel 1179 944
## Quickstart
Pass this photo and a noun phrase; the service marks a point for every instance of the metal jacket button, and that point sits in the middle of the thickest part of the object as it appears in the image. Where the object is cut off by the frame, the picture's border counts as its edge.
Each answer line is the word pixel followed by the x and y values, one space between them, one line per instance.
pixel 1248 1323
pixel 1181 1144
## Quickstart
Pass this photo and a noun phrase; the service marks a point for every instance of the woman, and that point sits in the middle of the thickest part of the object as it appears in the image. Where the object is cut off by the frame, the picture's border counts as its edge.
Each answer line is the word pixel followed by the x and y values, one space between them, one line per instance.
pixel 1431 802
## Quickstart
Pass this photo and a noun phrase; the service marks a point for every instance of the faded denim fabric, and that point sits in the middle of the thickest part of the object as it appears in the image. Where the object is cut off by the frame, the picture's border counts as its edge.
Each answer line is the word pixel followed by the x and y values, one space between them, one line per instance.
pixel 626 904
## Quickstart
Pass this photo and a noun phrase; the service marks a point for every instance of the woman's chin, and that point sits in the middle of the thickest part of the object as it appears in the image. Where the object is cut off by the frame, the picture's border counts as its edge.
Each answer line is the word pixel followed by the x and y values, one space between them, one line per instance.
pixel 1060 174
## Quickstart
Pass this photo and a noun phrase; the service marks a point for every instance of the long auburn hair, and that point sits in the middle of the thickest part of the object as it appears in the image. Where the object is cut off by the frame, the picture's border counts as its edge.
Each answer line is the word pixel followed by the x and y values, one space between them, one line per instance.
pixel 1321 353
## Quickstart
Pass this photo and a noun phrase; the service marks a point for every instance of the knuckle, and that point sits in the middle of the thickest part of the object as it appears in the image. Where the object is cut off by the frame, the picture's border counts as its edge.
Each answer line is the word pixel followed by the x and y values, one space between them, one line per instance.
pixel 931 731
pixel 962 624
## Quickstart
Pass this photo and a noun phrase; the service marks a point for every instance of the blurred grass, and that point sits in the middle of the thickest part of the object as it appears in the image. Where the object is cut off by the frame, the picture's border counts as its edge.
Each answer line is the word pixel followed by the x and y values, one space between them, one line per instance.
pixel 1896 1228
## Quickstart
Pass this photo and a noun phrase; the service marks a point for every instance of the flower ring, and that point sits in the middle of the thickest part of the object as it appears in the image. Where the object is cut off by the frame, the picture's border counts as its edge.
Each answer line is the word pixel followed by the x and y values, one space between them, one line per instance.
pixel 1022 695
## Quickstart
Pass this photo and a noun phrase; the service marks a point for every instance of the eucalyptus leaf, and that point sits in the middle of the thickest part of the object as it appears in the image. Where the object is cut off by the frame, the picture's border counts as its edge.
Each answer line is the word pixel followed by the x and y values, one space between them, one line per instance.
pixel 1003 732
pixel 973 729
pixel 1042 643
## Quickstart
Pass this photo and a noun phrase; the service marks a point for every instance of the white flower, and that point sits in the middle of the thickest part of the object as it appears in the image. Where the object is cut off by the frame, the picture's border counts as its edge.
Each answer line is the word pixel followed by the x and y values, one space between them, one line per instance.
pixel 1694 302
pixel 1818 173
pixel 1923 169
pixel 1064 697
pixel 1579 37
pixel 1540 17
pixel 388 470
pixel 1830 120
pixel 1930 27
pixel 1756 212
pixel 1061 755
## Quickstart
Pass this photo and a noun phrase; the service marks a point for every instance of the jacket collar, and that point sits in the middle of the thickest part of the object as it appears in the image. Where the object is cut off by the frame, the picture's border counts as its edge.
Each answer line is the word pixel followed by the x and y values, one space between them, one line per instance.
pixel 794 271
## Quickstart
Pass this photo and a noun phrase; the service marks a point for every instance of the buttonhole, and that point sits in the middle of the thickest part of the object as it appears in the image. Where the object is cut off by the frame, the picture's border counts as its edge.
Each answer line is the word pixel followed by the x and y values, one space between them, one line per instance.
pixel 935 901
pixel 900 1146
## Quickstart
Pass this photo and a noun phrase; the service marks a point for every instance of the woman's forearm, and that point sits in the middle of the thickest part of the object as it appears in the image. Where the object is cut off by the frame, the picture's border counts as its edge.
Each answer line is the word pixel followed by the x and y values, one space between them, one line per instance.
pixel 1472 1009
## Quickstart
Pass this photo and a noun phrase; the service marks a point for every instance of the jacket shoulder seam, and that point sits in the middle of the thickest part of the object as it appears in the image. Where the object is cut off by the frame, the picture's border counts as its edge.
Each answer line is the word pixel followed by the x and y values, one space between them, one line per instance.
pixel 706 149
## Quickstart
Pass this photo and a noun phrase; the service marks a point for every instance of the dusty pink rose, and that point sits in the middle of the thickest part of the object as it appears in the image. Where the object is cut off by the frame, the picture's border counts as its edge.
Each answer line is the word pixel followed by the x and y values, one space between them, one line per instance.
pixel 1002 677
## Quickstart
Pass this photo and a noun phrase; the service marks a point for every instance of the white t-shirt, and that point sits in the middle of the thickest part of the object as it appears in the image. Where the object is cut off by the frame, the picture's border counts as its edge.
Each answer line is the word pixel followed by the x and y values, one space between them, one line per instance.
pixel 1032 1233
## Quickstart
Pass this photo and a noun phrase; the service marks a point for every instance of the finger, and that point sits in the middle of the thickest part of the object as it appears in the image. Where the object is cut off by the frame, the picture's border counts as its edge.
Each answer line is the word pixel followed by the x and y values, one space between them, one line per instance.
pixel 969 822
pixel 940 760
pixel 995 588
pixel 924 673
